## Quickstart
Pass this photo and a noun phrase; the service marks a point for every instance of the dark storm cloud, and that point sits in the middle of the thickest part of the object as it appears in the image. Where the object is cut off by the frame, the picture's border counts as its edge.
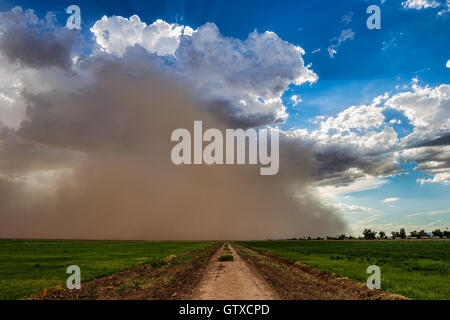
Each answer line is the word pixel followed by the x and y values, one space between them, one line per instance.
pixel 234 117
pixel 441 141
pixel 26 40
pixel 432 159
pixel 334 162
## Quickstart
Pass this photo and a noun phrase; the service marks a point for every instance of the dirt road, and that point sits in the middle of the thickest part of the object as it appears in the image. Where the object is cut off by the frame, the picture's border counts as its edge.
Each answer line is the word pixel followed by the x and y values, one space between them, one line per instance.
pixel 232 280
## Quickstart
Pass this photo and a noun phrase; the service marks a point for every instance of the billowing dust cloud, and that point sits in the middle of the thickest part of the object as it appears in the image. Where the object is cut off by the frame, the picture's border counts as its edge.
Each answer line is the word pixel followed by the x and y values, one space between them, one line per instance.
pixel 115 180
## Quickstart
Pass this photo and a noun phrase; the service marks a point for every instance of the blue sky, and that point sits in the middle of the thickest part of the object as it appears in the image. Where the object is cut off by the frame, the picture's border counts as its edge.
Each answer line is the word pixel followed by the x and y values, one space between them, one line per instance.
pixel 412 44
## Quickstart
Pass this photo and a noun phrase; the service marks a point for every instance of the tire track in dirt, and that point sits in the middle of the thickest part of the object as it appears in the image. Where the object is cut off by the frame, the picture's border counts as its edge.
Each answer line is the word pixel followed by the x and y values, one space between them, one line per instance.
pixel 232 280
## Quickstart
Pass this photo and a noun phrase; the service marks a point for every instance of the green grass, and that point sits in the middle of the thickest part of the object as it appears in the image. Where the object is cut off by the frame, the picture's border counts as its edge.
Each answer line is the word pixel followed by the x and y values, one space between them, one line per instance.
pixel 415 269
pixel 26 267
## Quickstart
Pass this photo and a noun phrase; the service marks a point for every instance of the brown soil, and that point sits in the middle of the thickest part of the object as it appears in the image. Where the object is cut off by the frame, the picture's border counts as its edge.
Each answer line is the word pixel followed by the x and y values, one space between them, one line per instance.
pixel 176 278
pixel 296 281
pixel 232 280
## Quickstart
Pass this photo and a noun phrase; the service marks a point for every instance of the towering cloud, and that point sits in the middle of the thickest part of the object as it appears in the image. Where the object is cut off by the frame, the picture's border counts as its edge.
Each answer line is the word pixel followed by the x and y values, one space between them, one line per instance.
pixel 93 160
pixel 242 80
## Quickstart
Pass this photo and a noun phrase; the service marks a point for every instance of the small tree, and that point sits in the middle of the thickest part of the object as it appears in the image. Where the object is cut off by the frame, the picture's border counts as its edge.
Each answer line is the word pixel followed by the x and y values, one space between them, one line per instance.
pixel 382 235
pixel 369 234
pixel 402 233
pixel 395 234
pixel 413 234
pixel 422 233
pixel 437 233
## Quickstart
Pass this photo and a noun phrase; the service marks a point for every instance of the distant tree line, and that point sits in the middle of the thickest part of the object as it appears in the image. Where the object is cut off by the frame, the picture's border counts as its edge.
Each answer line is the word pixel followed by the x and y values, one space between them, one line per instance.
pixel 369 234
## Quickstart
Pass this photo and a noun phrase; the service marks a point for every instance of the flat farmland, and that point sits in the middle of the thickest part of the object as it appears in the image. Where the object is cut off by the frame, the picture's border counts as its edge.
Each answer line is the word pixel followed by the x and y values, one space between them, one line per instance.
pixel 414 269
pixel 27 267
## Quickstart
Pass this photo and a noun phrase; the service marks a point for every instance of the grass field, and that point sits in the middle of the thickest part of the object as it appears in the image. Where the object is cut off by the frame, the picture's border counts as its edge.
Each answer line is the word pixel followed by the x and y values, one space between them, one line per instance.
pixel 27 267
pixel 415 269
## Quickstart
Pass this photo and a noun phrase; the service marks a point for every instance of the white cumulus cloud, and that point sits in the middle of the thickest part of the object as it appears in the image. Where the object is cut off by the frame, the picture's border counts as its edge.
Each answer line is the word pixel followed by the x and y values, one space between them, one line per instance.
pixel 387 200
pixel 359 143
pixel 245 77
pixel 420 4
pixel 296 99
pixel 443 178
pixel 114 34
pixel 427 108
